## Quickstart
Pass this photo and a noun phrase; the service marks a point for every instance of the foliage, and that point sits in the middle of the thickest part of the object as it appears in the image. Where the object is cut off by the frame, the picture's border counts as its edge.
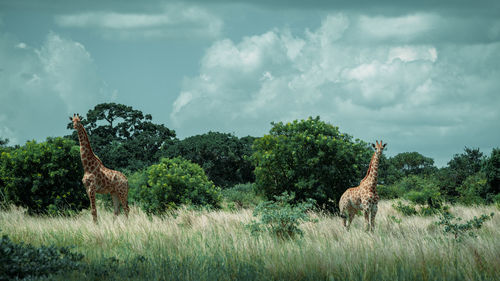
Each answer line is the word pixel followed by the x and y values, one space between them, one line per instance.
pixel 459 168
pixel 242 196
pixel 422 193
pixel 492 171
pixel 413 209
pixel 123 137
pixel 171 183
pixel 18 261
pixel 310 158
pixel 43 177
pixel 392 191
pixel 475 190
pixel 280 217
pixel 405 209
pixel 452 225
pixel 222 156
pixel 3 142
pixel 419 190
pixel 403 165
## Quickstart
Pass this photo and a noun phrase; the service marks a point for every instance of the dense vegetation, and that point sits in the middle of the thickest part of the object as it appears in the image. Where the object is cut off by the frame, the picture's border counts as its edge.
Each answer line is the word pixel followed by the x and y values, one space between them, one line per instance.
pixel 308 158
pixel 217 245
pixel 205 187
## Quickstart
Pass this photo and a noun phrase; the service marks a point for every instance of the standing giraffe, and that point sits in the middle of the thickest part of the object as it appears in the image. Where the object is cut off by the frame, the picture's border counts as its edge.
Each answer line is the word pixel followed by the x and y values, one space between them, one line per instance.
pixel 98 178
pixel 363 197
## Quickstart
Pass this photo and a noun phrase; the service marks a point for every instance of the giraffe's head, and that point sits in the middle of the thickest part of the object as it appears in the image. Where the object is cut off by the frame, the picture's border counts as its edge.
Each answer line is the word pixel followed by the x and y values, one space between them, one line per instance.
pixel 379 146
pixel 76 120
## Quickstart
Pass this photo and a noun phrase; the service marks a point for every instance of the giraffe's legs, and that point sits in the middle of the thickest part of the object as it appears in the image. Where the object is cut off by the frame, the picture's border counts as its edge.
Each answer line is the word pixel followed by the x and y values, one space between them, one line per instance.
pixel 116 204
pixel 92 202
pixel 372 216
pixel 352 213
pixel 123 200
pixel 367 219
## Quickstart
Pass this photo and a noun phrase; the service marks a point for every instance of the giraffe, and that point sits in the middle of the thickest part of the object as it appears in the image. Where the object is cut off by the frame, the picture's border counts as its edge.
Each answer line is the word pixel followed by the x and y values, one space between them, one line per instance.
pixel 97 178
pixel 363 197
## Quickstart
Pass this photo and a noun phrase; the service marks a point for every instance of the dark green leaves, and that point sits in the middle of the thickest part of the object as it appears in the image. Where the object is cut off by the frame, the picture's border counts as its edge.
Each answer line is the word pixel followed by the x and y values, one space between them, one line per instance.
pixel 310 158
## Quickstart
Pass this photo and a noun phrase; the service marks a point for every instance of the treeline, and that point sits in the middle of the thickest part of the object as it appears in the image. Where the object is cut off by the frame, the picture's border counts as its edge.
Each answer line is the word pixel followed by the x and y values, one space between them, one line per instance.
pixel 309 158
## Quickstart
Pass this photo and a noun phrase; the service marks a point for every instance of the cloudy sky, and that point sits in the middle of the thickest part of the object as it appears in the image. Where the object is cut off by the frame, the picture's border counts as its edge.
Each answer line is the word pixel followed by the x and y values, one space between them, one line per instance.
pixel 421 76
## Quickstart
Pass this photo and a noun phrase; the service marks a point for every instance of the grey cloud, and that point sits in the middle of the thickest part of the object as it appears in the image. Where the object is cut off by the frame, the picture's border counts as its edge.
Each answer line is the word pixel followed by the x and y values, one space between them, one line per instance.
pixel 404 92
pixel 42 85
pixel 172 21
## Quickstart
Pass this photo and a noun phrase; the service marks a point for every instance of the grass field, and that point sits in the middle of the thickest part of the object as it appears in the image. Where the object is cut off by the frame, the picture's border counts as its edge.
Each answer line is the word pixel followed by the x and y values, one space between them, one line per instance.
pixel 216 245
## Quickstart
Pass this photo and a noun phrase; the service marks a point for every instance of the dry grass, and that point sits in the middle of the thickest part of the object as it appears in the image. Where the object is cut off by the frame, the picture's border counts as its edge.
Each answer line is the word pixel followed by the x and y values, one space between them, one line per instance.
pixel 195 245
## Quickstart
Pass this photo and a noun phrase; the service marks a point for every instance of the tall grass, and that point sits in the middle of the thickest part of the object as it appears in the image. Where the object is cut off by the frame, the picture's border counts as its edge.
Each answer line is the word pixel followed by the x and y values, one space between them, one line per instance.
pixel 216 245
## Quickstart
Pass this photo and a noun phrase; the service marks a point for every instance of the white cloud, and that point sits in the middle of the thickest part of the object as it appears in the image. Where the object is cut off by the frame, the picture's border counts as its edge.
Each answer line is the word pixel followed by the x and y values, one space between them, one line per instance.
pixel 44 85
pixel 396 27
pixel 176 20
pixel 385 89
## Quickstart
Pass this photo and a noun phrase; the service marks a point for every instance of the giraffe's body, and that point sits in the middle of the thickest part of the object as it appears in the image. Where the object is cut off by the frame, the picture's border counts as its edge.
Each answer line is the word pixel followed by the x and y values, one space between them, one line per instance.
pixel 363 197
pixel 97 178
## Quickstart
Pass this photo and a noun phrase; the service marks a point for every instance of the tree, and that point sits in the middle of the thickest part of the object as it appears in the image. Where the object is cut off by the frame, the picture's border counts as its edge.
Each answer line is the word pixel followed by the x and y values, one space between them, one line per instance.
pixel 123 137
pixel 4 142
pixel 44 177
pixel 405 164
pixel 311 159
pixel 492 170
pixel 466 164
pixel 171 183
pixel 459 168
pixel 222 156
pixel 475 190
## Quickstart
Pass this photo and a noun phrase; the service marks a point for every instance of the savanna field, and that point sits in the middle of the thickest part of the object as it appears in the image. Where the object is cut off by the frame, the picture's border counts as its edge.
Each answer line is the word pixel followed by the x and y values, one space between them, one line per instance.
pixel 219 207
pixel 217 245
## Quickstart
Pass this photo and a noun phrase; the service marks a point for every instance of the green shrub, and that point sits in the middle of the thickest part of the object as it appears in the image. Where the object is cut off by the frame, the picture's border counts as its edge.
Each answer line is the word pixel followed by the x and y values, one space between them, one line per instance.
pixel 222 156
pixel 242 196
pixel 452 225
pixel 310 158
pixel 475 190
pixel 43 177
pixel 18 261
pixel 280 217
pixel 405 209
pixel 413 209
pixel 171 183
pixel 492 171
pixel 389 191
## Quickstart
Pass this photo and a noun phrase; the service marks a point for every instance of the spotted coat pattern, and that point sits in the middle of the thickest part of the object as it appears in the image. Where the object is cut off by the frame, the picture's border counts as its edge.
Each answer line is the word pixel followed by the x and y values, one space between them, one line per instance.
pixel 97 178
pixel 363 197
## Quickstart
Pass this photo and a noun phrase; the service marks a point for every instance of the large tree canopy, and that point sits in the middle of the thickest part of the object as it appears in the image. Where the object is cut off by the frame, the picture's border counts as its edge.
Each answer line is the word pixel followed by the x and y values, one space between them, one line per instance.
pixel 405 164
pixel 310 158
pixel 123 137
pixel 222 156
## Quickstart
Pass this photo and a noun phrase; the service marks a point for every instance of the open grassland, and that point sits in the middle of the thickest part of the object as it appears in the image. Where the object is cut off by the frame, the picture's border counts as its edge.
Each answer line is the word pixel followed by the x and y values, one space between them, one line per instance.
pixel 216 245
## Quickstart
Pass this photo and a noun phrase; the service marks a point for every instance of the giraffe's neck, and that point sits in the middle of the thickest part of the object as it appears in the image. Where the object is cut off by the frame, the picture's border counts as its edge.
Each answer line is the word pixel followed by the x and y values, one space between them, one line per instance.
pixel 89 160
pixel 370 180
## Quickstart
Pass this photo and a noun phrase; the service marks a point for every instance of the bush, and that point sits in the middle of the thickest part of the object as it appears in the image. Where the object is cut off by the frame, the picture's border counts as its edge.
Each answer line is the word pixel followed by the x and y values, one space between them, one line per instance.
pixel 421 190
pixel 405 209
pixel 242 196
pixel 492 171
pixel 475 190
pixel 222 156
pixel 171 183
pixel 310 158
pixel 280 217
pixel 453 226
pixel 389 191
pixel 44 177
pixel 18 261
